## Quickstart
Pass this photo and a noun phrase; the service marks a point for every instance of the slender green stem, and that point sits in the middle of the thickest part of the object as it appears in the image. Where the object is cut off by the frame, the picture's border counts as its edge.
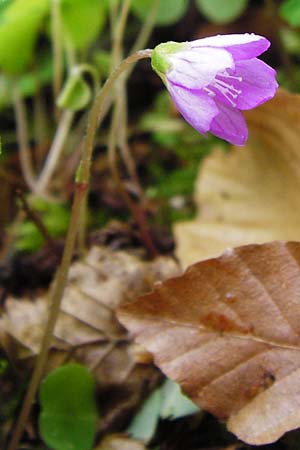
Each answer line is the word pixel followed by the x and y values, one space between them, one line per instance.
pixel 82 181
pixel 55 151
pixel 113 10
pixel 146 29
pixel 23 141
pixel 120 109
pixel 99 107
pixel 118 32
pixel 56 296
pixel 40 125
pixel 140 42
pixel 56 37
pixel 118 26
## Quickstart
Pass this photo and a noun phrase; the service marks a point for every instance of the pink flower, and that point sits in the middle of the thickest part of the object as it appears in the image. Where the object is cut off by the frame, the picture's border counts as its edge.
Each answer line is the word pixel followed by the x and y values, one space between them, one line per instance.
pixel 212 80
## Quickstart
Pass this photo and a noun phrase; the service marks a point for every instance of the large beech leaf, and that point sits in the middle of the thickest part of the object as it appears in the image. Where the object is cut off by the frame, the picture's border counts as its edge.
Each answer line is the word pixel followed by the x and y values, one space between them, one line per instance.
pixel 250 194
pixel 228 331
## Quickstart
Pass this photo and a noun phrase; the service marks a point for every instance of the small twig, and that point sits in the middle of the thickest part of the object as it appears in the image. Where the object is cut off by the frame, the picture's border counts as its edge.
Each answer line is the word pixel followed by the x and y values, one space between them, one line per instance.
pixel 36 219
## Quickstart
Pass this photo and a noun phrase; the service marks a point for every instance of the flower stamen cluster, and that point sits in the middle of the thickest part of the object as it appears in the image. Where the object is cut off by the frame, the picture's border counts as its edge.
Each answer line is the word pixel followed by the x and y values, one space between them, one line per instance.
pixel 227 90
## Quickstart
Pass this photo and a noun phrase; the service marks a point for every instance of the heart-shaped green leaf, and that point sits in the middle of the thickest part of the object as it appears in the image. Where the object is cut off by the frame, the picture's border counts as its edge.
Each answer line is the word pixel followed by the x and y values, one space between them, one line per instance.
pixel 68 417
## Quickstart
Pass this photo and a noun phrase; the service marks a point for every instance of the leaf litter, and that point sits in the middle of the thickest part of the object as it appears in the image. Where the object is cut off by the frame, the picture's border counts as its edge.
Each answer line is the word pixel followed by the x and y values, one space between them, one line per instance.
pixel 87 330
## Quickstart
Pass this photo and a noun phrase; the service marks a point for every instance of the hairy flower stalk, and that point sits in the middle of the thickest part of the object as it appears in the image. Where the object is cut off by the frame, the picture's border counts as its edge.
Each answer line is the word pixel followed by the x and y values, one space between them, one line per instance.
pixel 212 80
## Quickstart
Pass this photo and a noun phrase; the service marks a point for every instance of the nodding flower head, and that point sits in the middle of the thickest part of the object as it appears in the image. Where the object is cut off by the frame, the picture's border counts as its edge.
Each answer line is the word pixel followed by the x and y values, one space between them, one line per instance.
pixel 212 80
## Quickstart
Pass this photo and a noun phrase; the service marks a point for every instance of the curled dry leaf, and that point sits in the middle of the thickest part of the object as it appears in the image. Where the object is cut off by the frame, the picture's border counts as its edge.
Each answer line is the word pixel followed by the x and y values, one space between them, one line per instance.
pixel 87 330
pixel 228 331
pixel 250 194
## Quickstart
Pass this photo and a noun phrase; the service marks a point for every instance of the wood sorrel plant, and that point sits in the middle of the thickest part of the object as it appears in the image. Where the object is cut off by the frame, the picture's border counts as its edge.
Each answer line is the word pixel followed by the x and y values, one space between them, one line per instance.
pixel 210 81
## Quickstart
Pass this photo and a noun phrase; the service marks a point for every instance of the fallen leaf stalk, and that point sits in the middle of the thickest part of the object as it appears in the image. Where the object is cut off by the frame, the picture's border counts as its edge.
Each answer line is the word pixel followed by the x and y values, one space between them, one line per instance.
pixel 81 187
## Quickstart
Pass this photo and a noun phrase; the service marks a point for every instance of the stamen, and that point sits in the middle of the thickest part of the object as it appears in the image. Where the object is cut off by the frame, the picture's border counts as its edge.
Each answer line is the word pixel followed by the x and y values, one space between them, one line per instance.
pixel 231 89
pixel 209 91
pixel 227 90
pixel 232 77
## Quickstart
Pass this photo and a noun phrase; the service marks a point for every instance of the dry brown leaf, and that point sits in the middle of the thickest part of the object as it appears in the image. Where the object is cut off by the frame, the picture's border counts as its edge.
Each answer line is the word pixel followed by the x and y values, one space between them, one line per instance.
pixel 228 331
pixel 251 194
pixel 87 329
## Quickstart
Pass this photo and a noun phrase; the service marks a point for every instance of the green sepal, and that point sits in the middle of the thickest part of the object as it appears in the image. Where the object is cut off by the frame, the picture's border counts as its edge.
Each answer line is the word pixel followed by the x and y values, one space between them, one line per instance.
pixel 160 61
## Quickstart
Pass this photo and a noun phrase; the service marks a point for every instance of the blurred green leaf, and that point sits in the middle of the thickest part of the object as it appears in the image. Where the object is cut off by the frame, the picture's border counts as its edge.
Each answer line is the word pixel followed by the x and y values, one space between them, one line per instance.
pixel 3 5
pixel 68 417
pixel 145 421
pixel 76 93
pixel 55 217
pixel 82 20
pixel 290 11
pixel 3 365
pixel 291 40
pixel 178 182
pixel 174 403
pixel 222 11
pixel 28 83
pixel 169 11
pixel 164 402
pixel 20 22
pixel 102 60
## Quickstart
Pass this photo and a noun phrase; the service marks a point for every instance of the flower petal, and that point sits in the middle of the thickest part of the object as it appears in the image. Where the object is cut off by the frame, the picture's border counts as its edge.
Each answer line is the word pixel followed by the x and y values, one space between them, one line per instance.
pixel 258 83
pixel 197 108
pixel 241 46
pixel 230 125
pixel 196 68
